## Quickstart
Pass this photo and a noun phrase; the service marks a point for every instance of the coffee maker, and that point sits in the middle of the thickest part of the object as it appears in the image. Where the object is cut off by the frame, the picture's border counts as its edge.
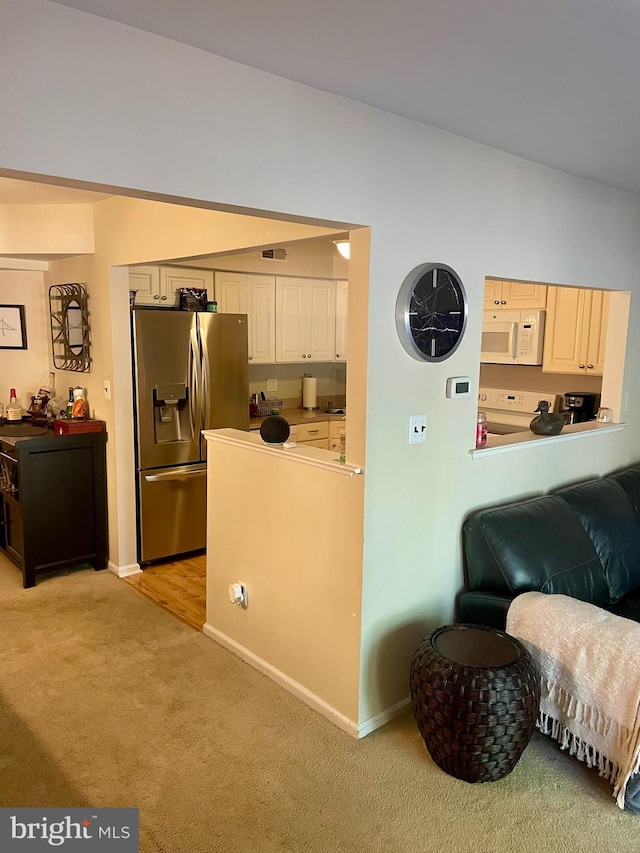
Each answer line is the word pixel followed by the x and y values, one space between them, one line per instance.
pixel 580 406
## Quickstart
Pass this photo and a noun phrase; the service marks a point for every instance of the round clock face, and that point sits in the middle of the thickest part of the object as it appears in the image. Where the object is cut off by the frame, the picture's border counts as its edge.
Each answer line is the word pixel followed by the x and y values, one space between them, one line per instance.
pixel 431 312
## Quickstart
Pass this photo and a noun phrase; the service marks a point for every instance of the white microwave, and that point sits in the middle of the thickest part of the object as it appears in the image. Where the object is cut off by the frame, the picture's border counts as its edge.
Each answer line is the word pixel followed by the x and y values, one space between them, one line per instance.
pixel 512 337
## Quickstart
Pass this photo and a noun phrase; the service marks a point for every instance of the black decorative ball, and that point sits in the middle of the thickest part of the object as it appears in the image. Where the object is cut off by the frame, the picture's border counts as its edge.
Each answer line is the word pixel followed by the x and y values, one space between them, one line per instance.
pixel 274 430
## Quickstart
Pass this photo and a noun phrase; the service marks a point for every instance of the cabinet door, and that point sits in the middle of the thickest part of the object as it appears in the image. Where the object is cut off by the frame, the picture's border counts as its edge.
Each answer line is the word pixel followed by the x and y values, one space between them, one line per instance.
pixel 342 296
pixel 231 292
pixel 566 332
pixel 523 294
pixel 173 278
pixel 597 332
pixel 290 319
pixel 261 296
pixel 320 306
pixel 492 293
pixel 13 542
pixel 145 280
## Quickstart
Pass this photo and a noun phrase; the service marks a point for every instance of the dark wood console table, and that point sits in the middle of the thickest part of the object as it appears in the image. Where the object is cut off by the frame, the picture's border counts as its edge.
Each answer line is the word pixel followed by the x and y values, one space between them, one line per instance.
pixel 53 502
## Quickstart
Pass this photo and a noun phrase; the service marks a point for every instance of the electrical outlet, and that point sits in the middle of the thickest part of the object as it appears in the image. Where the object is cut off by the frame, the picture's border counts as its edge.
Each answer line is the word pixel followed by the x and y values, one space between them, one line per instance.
pixel 272 386
pixel 106 385
pixel 417 429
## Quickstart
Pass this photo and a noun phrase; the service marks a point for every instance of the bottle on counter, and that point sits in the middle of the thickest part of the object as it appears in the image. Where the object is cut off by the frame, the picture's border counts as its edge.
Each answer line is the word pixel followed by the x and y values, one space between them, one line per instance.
pixel 68 412
pixel 39 402
pixel 13 413
pixel 481 430
pixel 79 408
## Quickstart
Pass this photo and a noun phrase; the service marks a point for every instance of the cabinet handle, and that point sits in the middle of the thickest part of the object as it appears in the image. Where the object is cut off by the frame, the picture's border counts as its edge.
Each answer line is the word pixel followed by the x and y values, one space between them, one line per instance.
pixel 503 302
pixel 308 355
pixel 590 366
pixel 250 358
pixel 496 302
pixel 581 366
pixel 157 296
pixel 313 431
pixel 164 297
pixel 303 355
pixel 337 355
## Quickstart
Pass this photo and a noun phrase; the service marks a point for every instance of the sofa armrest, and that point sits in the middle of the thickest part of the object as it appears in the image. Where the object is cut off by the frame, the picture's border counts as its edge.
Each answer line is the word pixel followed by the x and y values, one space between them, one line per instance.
pixel 484 608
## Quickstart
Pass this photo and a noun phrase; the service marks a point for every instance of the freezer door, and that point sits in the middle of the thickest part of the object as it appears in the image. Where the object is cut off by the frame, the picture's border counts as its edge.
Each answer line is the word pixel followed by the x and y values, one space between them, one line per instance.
pixel 173 511
pixel 225 370
pixel 168 379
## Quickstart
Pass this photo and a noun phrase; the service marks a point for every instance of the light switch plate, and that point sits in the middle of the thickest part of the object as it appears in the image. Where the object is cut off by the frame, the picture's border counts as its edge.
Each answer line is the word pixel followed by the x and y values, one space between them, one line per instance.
pixel 272 386
pixel 417 429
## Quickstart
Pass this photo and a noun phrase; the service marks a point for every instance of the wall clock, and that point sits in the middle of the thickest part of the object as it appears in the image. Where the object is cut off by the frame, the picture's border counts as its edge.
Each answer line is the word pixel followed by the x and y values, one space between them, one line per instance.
pixel 431 312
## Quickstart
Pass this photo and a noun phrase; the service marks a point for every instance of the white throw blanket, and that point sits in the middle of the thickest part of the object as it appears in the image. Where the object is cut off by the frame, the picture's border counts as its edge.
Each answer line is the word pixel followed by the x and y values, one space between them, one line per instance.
pixel 589 661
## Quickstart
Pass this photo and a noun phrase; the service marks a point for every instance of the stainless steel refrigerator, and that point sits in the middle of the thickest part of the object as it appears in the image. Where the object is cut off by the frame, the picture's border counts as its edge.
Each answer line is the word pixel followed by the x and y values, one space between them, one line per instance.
pixel 190 373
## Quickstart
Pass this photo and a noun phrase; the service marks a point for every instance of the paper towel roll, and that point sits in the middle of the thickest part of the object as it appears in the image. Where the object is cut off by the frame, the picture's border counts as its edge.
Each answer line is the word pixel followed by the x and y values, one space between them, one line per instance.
pixel 309 392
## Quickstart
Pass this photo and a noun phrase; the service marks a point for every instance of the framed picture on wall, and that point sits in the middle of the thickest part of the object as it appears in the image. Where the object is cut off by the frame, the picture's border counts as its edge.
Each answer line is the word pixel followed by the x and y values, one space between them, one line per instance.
pixel 13 330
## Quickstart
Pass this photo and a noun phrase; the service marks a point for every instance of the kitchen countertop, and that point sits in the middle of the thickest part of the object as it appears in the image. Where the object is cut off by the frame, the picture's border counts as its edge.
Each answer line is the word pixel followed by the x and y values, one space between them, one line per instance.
pixel 299 416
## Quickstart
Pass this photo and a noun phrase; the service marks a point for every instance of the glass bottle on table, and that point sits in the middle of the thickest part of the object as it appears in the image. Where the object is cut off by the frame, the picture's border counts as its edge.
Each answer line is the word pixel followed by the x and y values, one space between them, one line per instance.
pixel 39 402
pixel 68 412
pixel 13 412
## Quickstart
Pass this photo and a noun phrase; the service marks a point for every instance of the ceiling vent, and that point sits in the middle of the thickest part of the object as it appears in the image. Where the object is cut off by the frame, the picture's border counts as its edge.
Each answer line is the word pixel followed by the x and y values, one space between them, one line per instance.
pixel 273 254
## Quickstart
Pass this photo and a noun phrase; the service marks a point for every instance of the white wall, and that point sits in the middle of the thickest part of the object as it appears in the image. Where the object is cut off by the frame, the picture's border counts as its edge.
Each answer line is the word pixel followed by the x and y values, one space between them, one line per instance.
pixel 128 109
pixel 317 260
pixel 25 369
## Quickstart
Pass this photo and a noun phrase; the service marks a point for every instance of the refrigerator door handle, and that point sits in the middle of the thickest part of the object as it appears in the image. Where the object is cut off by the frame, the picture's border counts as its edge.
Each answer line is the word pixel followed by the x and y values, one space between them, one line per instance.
pixel 176 474
pixel 206 384
pixel 195 393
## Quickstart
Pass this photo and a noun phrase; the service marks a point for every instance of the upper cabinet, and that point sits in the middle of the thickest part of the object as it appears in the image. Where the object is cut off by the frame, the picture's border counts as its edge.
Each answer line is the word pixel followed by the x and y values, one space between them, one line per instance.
pixel 305 319
pixel 342 313
pixel 513 295
pixel 576 331
pixel 289 319
pixel 254 295
pixel 160 286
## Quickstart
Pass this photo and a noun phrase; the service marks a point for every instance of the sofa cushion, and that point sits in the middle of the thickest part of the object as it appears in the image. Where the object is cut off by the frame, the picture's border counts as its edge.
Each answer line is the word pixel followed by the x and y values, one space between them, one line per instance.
pixel 537 544
pixel 629 479
pixel 607 514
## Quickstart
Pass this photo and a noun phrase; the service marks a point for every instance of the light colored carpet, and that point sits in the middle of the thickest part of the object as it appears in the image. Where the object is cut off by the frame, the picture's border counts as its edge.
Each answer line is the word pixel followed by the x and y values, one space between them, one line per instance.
pixel 107 700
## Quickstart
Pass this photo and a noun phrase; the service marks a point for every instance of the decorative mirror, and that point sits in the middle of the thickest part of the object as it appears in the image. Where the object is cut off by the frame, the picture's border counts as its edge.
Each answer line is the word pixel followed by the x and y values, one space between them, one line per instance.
pixel 70 327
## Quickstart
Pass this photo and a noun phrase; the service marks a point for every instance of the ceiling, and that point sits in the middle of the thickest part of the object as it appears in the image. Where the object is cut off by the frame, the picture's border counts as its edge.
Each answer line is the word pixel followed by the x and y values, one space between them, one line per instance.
pixel 554 81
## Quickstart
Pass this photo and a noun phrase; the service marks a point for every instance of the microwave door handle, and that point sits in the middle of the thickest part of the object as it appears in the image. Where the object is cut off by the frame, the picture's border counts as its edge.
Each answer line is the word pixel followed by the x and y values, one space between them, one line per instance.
pixel 513 340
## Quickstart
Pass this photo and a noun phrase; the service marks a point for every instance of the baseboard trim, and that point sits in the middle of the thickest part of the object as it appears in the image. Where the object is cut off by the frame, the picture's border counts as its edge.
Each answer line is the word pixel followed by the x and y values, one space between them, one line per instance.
pixel 124 571
pixel 365 728
pixel 283 680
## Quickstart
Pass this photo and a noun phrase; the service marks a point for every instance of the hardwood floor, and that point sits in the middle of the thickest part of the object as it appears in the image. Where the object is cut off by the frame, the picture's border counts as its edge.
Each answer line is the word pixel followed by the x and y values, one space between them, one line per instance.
pixel 178 586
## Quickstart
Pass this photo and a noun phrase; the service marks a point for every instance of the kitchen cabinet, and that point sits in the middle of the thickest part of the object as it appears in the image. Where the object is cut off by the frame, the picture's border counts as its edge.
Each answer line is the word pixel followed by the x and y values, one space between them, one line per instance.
pixel 53 502
pixel 305 319
pixel 513 295
pixel 159 286
pixel 173 278
pixel 314 434
pixel 342 297
pixel 255 296
pixel 336 430
pixel 145 280
pixel 576 331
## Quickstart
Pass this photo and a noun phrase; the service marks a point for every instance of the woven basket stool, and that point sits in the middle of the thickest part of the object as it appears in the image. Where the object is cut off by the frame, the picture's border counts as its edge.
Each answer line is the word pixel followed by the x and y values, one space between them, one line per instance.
pixel 475 693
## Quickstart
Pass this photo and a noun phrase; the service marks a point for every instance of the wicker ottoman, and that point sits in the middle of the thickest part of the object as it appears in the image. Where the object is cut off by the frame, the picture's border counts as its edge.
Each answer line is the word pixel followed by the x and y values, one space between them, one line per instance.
pixel 475 693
